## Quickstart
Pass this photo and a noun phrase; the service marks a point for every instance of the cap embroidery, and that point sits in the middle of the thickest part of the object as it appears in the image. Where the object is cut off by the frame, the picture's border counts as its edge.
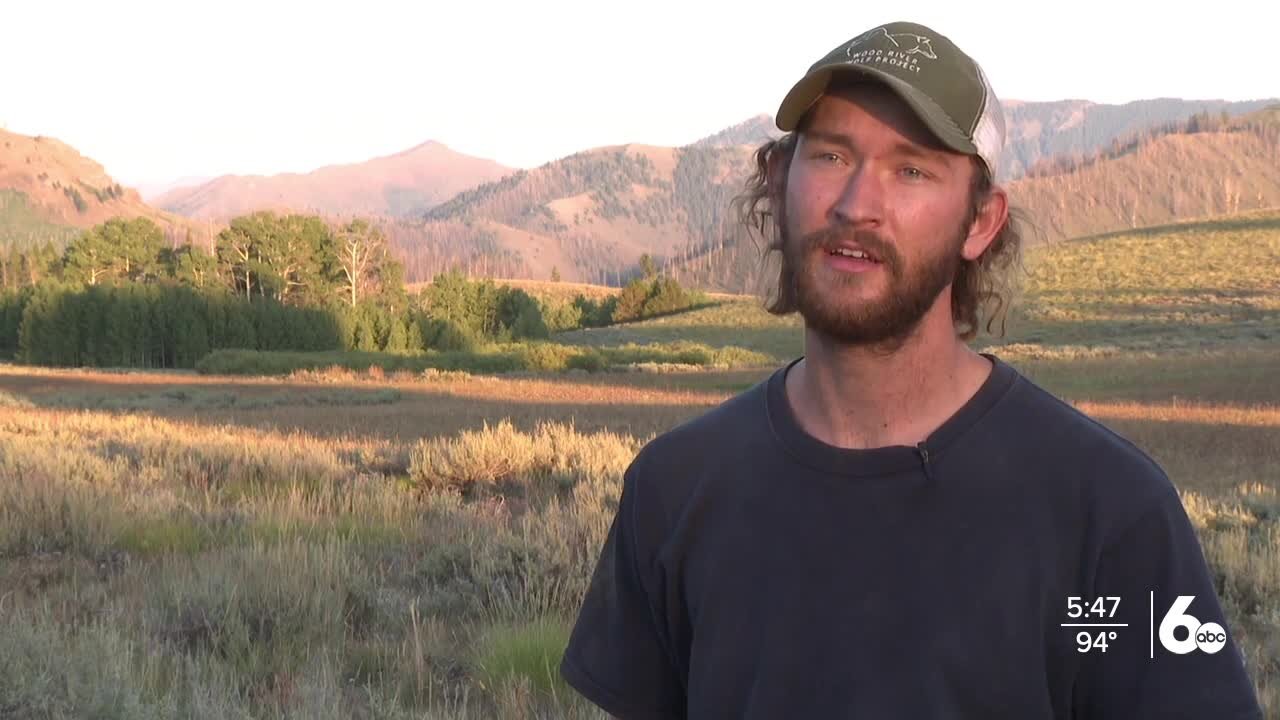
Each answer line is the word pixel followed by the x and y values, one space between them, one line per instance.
pixel 910 43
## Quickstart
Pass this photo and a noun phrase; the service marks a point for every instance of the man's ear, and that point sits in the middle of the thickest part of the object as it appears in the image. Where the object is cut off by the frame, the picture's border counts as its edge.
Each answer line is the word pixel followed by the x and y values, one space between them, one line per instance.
pixel 987 223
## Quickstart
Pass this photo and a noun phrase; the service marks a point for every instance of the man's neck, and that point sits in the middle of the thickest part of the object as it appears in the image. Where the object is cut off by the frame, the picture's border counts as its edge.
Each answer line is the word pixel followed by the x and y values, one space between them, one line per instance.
pixel 863 397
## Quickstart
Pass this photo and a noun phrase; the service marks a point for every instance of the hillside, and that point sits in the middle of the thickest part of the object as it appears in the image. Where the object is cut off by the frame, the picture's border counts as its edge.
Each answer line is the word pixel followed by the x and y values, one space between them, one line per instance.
pixel 395 185
pixel 1156 180
pixel 48 191
pixel 1188 286
pixel 753 131
pixel 1041 130
pixel 1169 178
pixel 590 215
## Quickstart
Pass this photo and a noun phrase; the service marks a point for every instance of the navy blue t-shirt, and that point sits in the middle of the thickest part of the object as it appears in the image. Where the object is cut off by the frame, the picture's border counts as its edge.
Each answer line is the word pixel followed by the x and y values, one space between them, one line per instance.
pixel 753 571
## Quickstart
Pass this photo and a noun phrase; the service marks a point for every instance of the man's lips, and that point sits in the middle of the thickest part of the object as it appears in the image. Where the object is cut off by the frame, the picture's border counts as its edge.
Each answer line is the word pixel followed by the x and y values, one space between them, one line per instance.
pixel 844 248
pixel 845 262
pixel 853 252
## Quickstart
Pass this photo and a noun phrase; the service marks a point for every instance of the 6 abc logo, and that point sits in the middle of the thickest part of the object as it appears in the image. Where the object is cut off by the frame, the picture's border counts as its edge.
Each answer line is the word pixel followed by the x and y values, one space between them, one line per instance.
pixel 1209 637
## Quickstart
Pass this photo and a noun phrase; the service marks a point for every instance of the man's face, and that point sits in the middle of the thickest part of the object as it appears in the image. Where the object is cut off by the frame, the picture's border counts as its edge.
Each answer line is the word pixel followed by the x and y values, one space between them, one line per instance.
pixel 875 217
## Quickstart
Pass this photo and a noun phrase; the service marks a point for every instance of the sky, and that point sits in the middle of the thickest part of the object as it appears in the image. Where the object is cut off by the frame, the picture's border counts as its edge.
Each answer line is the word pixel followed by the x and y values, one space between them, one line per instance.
pixel 161 90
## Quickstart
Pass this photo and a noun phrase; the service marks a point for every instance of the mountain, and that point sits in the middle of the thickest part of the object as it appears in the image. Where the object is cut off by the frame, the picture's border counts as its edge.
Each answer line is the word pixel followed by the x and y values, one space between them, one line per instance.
pixel 752 131
pixel 152 190
pixel 590 215
pixel 49 191
pixel 1041 130
pixel 1231 167
pixel 395 185
pixel 1203 167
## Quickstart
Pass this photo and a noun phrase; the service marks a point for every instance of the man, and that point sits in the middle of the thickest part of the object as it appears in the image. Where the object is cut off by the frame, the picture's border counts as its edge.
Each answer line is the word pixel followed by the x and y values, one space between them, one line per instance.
pixel 895 526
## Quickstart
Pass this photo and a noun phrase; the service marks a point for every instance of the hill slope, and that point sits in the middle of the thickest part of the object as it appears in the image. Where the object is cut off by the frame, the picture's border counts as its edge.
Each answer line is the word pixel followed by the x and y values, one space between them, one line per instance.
pixel 590 215
pixel 1188 286
pixel 753 131
pixel 1156 180
pixel 48 191
pixel 395 185
pixel 1040 130
pixel 1173 177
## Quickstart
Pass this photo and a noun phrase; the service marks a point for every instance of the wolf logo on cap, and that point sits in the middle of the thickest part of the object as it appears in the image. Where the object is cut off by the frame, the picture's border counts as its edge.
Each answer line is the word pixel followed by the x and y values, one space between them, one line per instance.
pixel 911 43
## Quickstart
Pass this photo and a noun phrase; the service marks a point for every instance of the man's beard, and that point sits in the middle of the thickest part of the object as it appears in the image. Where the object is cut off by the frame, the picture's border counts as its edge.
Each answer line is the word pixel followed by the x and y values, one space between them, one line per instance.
pixel 885 322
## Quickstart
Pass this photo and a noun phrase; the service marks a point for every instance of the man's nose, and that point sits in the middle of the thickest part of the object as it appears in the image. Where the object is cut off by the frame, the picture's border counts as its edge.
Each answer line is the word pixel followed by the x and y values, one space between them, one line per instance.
pixel 861 200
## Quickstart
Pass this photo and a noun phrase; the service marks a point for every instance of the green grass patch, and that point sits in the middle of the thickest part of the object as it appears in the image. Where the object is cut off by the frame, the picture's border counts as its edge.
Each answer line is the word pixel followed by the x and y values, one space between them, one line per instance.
pixel 529 652
pixel 494 359
pixel 167 534
pixel 1189 286
pixel 730 325
pixel 1245 376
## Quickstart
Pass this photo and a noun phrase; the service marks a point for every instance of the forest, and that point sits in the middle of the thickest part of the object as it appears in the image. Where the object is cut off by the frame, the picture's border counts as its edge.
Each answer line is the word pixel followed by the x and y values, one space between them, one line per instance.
pixel 120 295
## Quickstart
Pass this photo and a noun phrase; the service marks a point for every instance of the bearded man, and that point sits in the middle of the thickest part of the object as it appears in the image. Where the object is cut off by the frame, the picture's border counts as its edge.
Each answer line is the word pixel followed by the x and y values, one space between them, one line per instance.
pixel 894 525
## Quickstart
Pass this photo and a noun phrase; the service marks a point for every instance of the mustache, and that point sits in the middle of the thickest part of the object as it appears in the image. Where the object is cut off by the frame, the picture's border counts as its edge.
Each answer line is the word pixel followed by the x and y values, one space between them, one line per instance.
pixel 869 240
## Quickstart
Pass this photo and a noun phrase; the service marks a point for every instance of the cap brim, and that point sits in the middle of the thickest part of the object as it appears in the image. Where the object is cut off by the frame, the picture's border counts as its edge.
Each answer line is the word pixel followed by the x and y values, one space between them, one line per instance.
pixel 805 93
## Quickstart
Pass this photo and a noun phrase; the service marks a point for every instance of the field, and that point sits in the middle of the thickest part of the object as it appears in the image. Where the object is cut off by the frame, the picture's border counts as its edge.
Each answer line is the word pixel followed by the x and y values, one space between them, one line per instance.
pixel 392 544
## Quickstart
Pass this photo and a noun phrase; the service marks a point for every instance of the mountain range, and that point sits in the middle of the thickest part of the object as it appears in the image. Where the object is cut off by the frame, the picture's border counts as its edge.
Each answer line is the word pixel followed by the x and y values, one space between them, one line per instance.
pixel 1152 179
pixel 591 215
pixel 395 185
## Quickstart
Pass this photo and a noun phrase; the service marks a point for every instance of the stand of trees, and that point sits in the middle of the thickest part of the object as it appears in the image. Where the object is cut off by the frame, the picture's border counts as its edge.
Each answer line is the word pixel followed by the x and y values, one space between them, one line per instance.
pixel 120 295
pixel 151 326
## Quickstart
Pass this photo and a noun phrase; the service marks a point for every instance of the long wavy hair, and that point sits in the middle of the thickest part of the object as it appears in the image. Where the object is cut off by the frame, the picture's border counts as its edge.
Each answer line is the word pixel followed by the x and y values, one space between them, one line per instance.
pixel 982 288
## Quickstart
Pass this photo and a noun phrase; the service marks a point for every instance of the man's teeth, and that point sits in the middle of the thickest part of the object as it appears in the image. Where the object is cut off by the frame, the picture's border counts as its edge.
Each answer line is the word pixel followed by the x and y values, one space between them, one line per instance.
pixel 851 253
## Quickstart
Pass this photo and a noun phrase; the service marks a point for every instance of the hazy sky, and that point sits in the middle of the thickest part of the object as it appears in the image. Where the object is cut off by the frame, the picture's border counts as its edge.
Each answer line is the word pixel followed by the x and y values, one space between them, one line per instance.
pixel 160 90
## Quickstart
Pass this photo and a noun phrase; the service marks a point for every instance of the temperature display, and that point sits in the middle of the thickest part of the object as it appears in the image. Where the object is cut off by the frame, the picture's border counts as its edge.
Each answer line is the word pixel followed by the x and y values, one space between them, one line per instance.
pixel 1096 619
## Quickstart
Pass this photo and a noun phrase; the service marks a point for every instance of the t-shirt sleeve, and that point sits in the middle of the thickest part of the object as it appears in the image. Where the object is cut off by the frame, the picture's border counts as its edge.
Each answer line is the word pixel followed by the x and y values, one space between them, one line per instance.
pixel 618 655
pixel 1148 566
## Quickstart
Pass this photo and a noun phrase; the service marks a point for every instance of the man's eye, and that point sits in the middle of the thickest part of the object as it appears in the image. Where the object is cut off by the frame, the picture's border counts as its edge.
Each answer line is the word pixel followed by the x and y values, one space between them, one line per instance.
pixel 828 157
pixel 913 173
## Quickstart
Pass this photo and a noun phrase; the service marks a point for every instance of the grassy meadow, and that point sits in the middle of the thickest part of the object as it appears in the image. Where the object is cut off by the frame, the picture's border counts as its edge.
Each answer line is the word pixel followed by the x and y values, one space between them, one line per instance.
pixel 333 539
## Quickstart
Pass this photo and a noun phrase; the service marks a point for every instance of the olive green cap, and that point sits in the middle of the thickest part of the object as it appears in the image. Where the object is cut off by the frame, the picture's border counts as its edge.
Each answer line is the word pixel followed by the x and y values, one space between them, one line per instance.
pixel 944 86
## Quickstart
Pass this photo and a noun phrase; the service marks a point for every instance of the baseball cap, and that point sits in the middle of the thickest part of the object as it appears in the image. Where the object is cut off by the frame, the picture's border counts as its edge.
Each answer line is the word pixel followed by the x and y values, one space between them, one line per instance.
pixel 945 87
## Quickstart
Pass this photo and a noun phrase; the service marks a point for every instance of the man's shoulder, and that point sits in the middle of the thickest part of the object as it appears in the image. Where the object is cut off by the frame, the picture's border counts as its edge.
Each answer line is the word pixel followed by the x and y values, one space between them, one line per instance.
pixel 739 419
pixel 684 463
pixel 1062 425
pixel 1116 475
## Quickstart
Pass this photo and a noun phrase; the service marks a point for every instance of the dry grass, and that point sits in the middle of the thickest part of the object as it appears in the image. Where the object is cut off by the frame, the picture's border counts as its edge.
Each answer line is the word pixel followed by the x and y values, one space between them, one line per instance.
pixel 1263 416
pixel 1240 534
pixel 422 557
pixel 221 571
pixel 433 404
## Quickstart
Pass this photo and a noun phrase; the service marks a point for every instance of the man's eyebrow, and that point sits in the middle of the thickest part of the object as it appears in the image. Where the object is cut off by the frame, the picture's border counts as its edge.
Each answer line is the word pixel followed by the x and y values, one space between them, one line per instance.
pixel 831 138
pixel 918 152
pixel 904 149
